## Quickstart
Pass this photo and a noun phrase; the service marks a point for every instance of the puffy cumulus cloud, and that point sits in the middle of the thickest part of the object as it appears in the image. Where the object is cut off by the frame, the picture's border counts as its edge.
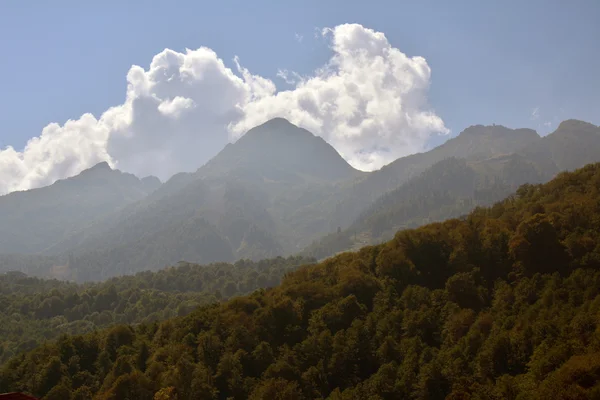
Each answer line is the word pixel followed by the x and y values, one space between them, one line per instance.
pixel 58 152
pixel 174 118
pixel 369 101
pixel 179 112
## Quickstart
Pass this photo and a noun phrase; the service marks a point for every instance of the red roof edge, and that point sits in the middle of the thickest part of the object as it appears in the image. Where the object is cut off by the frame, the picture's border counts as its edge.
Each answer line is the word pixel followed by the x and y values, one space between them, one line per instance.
pixel 16 396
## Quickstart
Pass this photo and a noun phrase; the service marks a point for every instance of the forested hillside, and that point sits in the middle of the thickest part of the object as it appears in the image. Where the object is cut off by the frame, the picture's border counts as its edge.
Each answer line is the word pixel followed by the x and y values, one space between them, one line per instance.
pixel 34 310
pixel 501 304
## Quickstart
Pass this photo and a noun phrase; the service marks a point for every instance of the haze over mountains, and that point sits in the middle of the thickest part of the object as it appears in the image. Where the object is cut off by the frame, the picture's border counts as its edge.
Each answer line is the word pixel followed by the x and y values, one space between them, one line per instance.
pixel 279 190
pixel 35 220
pixel 480 166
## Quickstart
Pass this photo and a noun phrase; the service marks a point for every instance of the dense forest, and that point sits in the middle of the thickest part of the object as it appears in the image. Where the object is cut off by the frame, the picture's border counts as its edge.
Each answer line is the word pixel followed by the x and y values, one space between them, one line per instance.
pixel 34 310
pixel 503 303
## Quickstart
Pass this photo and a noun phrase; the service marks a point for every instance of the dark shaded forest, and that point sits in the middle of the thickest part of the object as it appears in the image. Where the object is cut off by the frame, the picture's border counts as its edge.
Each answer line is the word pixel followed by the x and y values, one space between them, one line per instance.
pixel 500 304
pixel 34 310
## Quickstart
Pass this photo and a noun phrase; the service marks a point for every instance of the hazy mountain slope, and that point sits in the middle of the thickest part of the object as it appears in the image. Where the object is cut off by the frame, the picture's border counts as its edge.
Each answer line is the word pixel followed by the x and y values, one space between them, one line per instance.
pixel 279 188
pixel 297 171
pixel 573 144
pixel 477 142
pixel 236 200
pixel 33 264
pixel 450 188
pixel 453 187
pixel 34 220
pixel 270 159
pixel 276 152
pixel 195 239
pixel 317 210
pixel 137 220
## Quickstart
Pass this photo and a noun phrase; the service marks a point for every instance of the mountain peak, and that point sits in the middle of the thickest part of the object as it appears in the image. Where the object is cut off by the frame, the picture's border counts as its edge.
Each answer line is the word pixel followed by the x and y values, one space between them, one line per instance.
pixel 280 148
pixel 103 165
pixel 101 169
pixel 276 127
pixel 151 183
pixel 478 130
pixel 48 215
pixel 576 125
pixel 276 122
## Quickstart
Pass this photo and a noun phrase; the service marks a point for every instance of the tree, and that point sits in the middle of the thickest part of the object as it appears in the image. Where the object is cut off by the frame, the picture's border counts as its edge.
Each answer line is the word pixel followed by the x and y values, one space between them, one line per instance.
pixel 536 246
pixel 277 389
pixel 167 393
pixel 59 392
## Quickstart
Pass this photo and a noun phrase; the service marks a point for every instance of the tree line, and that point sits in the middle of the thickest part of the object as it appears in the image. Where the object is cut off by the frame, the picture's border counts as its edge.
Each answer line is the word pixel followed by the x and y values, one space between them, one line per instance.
pixel 34 310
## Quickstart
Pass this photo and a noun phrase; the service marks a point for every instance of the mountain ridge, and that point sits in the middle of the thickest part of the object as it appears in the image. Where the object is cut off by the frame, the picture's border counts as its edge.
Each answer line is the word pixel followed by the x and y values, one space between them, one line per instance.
pixel 255 201
pixel 44 215
pixel 421 200
pixel 282 146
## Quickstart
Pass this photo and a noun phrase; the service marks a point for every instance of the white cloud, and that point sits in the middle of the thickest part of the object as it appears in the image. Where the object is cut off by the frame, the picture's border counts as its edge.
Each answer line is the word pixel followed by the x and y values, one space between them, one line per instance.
pixel 289 77
pixel 298 37
pixel 369 101
pixel 535 113
pixel 173 108
pixel 317 32
pixel 58 152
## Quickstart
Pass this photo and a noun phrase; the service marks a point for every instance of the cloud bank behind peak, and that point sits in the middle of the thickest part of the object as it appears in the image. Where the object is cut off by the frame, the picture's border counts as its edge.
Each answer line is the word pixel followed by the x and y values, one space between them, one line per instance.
pixel 369 101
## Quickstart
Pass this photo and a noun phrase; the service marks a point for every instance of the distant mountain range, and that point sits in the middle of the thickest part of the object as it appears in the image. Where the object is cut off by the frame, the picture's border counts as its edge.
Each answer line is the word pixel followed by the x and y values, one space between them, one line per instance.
pixel 278 190
pixel 463 180
pixel 35 220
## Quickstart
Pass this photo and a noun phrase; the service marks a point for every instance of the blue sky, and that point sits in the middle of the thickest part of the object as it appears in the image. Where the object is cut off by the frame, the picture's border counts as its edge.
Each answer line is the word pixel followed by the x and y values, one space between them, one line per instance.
pixel 491 62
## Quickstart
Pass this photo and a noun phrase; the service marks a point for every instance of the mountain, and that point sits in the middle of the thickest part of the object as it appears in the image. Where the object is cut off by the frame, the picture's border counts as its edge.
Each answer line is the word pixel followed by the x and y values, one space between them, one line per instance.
pixel 454 186
pixel 233 207
pixel 477 142
pixel 295 173
pixel 450 188
pixel 35 220
pixel 279 152
pixel 573 144
pixel 500 304
pixel 281 190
